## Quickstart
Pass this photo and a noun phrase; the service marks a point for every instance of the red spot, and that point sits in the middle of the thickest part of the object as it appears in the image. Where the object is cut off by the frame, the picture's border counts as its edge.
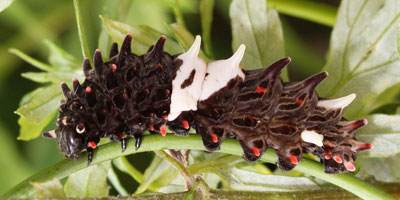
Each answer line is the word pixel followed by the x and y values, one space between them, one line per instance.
pixel 350 166
pixel 165 116
pixel 328 156
pixel 159 66
pixel 214 137
pixel 124 95
pixel 185 124
pixel 293 160
pixel 163 131
pixel 151 128
pixel 113 67
pixel 88 89
pixel 359 123
pixel 260 90
pixel 256 151
pixel 146 91
pixel 151 114
pixel 121 135
pixel 166 91
pixel 74 80
pixel 98 51
pixel 92 144
pixel 365 146
pixel 104 111
pixel 337 159
pixel 299 101
pixel 163 37
pixel 129 35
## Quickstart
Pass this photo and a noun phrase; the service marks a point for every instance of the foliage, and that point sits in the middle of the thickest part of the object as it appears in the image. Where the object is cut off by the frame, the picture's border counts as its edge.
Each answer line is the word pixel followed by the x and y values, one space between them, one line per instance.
pixel 362 59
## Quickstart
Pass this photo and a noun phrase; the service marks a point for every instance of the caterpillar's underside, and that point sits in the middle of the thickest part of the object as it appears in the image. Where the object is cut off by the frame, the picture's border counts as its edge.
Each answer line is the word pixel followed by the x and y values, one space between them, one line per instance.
pixel 130 94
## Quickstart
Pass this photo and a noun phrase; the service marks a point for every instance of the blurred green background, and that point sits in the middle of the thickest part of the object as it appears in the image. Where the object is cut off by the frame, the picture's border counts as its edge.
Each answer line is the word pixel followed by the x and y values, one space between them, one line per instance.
pixel 25 24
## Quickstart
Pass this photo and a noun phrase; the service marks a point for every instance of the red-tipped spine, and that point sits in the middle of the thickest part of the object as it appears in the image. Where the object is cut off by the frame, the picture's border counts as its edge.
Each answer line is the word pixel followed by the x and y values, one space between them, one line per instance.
pixel 214 137
pixel 256 151
pixel 163 131
pixel 92 144
pixel 293 160
pixel 185 124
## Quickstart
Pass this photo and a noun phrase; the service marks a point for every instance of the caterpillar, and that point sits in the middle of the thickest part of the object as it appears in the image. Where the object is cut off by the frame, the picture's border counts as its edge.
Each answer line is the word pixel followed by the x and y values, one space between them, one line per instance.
pixel 131 94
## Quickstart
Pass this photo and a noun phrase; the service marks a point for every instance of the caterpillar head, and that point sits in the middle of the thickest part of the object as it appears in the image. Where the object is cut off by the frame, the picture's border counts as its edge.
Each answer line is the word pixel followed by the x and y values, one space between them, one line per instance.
pixel 70 131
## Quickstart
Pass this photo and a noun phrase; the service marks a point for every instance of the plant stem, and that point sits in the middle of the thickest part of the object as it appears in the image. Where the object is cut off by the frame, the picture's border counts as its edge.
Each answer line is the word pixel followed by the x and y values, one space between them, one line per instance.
pixel 189 180
pixel 81 32
pixel 157 142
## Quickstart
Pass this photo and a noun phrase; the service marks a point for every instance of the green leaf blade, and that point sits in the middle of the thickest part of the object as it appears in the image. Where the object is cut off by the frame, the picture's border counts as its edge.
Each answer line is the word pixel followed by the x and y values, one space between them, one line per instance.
pixel 60 59
pixel 89 182
pixel 363 54
pixel 259 30
pixel 32 61
pixel 313 11
pixel 184 37
pixel 206 13
pixel 142 38
pixel 49 189
pixel 383 131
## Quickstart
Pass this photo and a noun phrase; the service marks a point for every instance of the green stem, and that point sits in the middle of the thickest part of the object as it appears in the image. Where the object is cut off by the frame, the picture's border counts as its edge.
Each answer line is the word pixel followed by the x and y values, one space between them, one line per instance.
pixel 81 32
pixel 157 142
pixel 189 180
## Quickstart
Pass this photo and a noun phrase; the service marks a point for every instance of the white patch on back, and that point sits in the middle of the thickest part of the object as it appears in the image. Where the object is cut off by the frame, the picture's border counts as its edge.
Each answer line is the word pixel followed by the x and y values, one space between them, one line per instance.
pixel 186 99
pixel 312 137
pixel 220 72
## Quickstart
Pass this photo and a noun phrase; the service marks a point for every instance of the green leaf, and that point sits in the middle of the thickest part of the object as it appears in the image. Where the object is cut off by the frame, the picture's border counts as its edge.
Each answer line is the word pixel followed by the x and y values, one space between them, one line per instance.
pixel 37 109
pixel 32 61
pixel 89 182
pixel 60 59
pixel 184 37
pixel 251 181
pixel 53 77
pixel 41 104
pixel 363 54
pixel 382 169
pixel 310 10
pixel 383 131
pixel 4 4
pixel 157 167
pixel 30 130
pixel 104 43
pixel 116 183
pixel 49 189
pixel 81 32
pixel 259 30
pixel 206 13
pixel 178 13
pixel 123 165
pixel 142 39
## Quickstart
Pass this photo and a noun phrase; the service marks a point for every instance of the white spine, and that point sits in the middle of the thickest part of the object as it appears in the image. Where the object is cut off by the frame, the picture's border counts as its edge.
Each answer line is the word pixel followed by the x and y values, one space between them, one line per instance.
pixel 339 103
pixel 220 72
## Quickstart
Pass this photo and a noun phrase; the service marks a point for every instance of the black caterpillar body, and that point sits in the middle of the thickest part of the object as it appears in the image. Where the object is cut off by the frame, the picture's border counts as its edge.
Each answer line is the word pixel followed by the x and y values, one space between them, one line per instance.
pixel 130 94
